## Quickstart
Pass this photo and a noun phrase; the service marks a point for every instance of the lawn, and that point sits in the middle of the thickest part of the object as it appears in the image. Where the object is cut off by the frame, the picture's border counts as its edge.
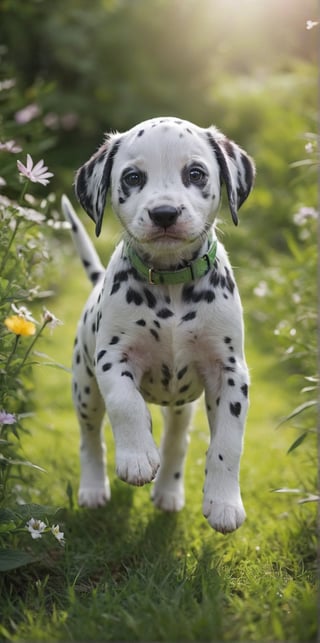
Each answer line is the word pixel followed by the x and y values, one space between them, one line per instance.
pixel 129 572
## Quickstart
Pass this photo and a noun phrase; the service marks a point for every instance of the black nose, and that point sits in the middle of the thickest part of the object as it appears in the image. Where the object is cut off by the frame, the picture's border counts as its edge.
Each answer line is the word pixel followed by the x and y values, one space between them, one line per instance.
pixel 164 216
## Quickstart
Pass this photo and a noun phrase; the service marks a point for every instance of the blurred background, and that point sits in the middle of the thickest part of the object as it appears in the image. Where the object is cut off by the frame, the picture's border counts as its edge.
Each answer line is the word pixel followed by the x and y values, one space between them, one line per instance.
pixel 80 69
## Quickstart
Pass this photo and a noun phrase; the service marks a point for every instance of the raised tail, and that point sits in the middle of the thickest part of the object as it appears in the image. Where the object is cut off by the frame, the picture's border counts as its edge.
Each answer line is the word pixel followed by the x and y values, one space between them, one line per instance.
pixel 83 243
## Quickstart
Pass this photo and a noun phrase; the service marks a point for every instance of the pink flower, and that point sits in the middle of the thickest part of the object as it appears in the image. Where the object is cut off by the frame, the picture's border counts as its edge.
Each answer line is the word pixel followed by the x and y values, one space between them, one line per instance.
pixel 35 173
pixel 27 114
pixel 10 146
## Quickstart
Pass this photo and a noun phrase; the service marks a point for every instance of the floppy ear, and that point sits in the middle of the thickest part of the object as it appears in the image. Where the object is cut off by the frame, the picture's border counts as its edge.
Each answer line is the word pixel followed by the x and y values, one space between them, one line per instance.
pixel 93 180
pixel 237 170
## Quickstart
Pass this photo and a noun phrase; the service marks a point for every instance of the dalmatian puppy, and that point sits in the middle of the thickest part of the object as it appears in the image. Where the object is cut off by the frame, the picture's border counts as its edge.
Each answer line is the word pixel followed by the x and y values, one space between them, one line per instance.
pixel 163 322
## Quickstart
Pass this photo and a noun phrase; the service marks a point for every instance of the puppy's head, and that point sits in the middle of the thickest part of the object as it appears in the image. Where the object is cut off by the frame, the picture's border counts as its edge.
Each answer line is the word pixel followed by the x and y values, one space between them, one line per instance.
pixel 165 176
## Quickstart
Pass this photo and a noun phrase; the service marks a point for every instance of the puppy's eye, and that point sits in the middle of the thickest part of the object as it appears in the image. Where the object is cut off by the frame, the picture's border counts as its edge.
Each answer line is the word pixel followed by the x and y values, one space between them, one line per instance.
pixel 133 178
pixel 197 176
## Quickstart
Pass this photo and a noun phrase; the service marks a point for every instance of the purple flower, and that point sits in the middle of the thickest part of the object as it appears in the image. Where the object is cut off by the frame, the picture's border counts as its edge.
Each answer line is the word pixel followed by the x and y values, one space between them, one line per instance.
pixel 7 418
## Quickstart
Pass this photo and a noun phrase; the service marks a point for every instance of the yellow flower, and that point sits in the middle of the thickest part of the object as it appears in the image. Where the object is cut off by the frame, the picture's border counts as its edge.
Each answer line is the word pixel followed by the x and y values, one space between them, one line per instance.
pixel 20 326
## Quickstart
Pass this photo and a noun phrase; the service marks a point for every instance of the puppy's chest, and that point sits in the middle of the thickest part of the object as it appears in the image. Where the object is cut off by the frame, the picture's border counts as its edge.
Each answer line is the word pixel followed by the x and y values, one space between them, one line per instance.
pixel 161 340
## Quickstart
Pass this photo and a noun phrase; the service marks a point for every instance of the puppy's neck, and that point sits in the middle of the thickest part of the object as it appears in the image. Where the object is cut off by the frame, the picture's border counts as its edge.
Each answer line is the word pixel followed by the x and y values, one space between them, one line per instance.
pixel 172 256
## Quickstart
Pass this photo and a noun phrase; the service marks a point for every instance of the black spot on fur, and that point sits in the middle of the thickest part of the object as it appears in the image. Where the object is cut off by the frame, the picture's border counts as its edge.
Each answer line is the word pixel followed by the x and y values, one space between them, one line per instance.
pixel 164 313
pixel 106 366
pixel 177 475
pixel 114 340
pixel 133 296
pixel 115 287
pixel 154 334
pixel 235 409
pixel 127 374
pixel 182 372
pixel 220 457
pixel 141 322
pixel 227 340
pixel 189 316
pixel 151 300
pixel 231 382
pixel 95 276
pixel 190 295
pixel 244 389
pixel 229 281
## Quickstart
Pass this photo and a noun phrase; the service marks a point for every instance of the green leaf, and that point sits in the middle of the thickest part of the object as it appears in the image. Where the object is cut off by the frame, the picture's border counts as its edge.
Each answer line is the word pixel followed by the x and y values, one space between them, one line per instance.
pixel 5 527
pixel 297 442
pixel 24 512
pixel 11 559
pixel 298 410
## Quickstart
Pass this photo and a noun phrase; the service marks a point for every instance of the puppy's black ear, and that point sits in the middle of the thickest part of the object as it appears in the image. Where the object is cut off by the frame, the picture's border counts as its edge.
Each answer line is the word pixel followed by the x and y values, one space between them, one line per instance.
pixel 93 180
pixel 237 170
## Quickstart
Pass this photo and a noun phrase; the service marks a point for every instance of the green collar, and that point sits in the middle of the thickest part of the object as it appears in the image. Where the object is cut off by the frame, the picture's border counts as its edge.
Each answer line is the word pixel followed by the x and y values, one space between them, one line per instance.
pixel 194 270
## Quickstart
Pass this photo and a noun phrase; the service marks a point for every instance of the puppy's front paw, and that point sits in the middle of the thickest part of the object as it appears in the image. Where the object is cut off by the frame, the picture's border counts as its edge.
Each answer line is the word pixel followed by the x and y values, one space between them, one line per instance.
pixel 222 516
pixel 94 496
pixel 137 468
pixel 168 500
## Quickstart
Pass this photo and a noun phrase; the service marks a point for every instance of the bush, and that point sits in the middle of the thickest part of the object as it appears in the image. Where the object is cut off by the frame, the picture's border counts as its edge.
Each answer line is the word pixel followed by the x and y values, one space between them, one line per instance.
pixel 23 258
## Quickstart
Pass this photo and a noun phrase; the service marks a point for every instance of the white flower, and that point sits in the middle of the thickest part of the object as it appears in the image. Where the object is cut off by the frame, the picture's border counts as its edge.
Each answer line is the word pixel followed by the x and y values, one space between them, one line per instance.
pixel 261 290
pixel 59 535
pixel 23 312
pixel 35 527
pixel 305 213
pixel 50 319
pixel 10 146
pixel 309 148
pixel 35 173
pixel 311 23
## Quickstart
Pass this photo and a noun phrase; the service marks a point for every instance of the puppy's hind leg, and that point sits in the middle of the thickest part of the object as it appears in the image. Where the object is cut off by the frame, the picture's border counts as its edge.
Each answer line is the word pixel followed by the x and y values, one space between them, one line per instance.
pixel 168 489
pixel 94 490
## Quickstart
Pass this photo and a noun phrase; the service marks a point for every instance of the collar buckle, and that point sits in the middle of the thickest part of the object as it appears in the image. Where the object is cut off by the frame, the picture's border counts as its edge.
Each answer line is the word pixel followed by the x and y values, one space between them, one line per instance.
pixel 150 280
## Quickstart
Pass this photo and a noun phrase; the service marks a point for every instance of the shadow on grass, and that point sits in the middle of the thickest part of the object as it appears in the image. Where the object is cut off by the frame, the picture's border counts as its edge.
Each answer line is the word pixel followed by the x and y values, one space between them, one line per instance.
pixel 140 573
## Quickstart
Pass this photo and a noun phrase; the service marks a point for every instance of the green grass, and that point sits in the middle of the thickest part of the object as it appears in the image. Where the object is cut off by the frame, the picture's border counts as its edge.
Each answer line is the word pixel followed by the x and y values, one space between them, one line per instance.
pixel 129 572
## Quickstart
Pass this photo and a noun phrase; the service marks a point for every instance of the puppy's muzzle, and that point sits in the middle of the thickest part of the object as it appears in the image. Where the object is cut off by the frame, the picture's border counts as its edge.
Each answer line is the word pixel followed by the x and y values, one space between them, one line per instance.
pixel 164 216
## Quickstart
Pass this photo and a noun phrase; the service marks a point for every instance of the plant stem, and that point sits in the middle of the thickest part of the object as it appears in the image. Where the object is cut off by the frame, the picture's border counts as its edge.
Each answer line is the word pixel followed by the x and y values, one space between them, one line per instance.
pixel 3 263
pixel 29 349
pixel 13 351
